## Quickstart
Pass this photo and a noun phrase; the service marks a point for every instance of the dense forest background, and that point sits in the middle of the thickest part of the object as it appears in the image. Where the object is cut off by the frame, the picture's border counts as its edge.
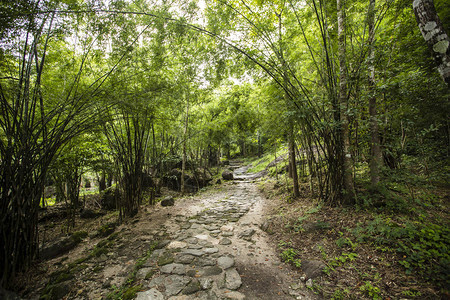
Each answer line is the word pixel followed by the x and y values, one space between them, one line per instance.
pixel 143 94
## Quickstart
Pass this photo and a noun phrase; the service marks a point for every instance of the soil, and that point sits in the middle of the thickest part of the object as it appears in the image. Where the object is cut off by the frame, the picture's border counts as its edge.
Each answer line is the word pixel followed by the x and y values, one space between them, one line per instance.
pixel 207 246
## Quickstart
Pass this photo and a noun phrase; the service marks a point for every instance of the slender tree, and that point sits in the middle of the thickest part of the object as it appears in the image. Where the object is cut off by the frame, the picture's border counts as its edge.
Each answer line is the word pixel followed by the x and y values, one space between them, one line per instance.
pixel 375 147
pixel 435 36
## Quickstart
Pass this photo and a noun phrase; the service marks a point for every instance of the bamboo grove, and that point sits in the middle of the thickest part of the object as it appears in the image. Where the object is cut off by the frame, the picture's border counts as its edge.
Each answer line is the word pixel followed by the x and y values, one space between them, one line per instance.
pixel 130 89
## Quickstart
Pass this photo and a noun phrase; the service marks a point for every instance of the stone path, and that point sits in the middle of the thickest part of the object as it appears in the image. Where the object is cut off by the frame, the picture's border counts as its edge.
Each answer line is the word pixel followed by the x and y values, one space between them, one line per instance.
pixel 219 252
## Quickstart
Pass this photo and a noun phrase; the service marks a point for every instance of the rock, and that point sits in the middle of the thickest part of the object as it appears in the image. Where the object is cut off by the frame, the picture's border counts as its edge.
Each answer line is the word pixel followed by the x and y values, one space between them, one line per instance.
pixel 206 283
pixel 109 198
pixel 247 234
pixel 184 259
pixel 165 258
pixel 178 269
pixel 194 252
pixel 152 294
pixel 192 287
pixel 8 295
pixel 210 271
pixel 168 201
pixel 225 262
pixel 225 241
pixel 90 214
pixel 61 246
pixel 227 228
pixel 233 295
pixel 57 291
pixel 232 279
pixel 205 262
pixel 210 250
pixel 227 175
pixel 142 273
pixel 265 225
pixel 176 245
pixel 313 268
pixel 175 284
pixel 309 283
pixel 157 282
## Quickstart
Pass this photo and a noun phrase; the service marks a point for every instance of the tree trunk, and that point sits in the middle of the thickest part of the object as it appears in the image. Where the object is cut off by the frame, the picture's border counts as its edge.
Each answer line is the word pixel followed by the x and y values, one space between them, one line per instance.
pixel 183 164
pixel 293 164
pixel 434 34
pixel 343 101
pixel 375 148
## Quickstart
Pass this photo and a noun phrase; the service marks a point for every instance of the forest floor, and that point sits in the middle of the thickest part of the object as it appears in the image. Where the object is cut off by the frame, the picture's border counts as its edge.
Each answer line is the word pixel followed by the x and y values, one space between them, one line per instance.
pixel 207 246
pixel 247 239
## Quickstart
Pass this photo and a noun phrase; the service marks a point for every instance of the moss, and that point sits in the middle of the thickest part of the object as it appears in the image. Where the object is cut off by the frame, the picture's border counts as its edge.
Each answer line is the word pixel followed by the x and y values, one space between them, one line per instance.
pixel 131 292
pixel 106 229
pixel 97 269
pixel 150 274
pixel 97 251
pixel 78 236
pixel 165 259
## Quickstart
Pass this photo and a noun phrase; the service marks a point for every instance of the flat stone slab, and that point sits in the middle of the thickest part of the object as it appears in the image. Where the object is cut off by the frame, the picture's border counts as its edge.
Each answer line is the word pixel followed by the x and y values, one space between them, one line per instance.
pixel 184 259
pixel 205 261
pixel 175 284
pixel 225 262
pixel 211 250
pixel 179 269
pixel 233 280
pixel 201 236
pixel 313 268
pixel 210 271
pixel 247 233
pixel 152 294
pixel 225 241
pixel 177 245
pixel 194 252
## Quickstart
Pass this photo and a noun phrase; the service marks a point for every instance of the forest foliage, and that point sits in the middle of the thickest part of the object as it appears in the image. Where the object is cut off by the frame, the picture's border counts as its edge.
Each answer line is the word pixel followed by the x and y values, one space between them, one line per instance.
pixel 131 90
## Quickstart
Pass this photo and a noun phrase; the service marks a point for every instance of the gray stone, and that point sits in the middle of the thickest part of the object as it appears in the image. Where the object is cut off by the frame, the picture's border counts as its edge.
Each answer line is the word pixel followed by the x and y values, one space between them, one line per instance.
pixel 309 283
pixel 168 201
pixel 191 240
pixel 233 295
pixel 210 271
pixel 179 269
pixel 225 241
pixel 192 287
pixel 152 294
pixel 227 234
pixel 194 252
pixel 232 279
pixel 156 282
pixel 247 234
pixel 205 262
pixel 195 247
pixel 227 175
pixel 141 273
pixel 211 250
pixel 184 259
pixel 175 284
pixel 313 268
pixel 206 283
pixel 176 245
pixel 225 262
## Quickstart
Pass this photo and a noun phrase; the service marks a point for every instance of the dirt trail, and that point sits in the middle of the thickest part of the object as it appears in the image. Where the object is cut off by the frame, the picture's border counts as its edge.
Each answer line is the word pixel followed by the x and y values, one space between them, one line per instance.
pixel 210 247
pixel 220 252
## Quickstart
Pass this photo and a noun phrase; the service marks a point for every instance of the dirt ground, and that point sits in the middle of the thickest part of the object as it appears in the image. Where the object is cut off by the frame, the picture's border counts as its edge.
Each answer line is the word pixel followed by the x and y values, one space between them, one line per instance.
pixel 109 266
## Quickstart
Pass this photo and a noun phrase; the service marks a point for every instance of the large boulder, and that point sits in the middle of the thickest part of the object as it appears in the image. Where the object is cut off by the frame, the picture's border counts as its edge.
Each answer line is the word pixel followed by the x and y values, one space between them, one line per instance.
pixel 168 201
pixel 62 245
pixel 227 175
pixel 313 268
pixel 109 198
